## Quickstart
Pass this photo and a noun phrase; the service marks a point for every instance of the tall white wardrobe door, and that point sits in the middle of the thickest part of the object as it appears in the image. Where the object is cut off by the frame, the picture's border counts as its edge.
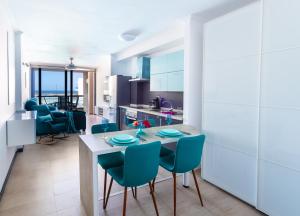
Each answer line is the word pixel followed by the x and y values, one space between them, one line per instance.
pixel 231 97
pixel 279 158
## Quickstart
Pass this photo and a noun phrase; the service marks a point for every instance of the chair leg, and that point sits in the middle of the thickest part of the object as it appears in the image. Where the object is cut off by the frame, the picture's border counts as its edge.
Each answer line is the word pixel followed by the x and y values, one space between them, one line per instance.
pixel 134 192
pixel 153 197
pixel 125 200
pixel 196 183
pixel 174 188
pixel 153 184
pixel 104 190
pixel 108 193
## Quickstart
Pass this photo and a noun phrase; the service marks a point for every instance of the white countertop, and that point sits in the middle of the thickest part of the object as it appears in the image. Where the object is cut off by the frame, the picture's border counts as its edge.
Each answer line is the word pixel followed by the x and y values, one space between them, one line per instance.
pixel 178 117
pixel 21 116
pixel 97 144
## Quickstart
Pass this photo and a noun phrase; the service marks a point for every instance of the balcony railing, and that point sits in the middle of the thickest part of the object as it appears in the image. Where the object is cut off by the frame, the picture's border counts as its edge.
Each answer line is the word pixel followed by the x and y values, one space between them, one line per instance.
pixel 60 102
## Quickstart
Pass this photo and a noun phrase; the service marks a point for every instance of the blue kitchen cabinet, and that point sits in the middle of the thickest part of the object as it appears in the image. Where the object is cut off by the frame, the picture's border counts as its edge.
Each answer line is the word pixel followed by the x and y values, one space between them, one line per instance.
pixel 175 81
pixel 157 65
pixel 166 73
pixel 175 61
pixel 158 82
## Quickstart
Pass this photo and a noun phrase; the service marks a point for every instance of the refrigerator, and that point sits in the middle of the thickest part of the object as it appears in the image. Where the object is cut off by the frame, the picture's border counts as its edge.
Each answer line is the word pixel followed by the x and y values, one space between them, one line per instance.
pixel 119 94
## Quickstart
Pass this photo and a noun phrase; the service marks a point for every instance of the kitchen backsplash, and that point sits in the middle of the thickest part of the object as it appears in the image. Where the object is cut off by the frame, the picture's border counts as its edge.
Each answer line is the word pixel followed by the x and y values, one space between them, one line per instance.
pixel 141 94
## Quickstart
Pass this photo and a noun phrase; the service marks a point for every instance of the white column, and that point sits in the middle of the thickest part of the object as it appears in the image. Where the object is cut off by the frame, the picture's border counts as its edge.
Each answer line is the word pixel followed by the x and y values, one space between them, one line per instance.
pixel 193 67
pixel 18 69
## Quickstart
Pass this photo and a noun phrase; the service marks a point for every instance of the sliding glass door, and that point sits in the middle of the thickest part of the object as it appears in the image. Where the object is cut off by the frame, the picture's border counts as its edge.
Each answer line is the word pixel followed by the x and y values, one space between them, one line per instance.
pixel 63 89
pixel 52 87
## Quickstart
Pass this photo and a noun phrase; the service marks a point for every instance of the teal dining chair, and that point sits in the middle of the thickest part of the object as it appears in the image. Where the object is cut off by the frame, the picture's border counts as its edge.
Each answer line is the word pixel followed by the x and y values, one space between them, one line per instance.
pixel 107 161
pixel 100 128
pixel 185 158
pixel 140 167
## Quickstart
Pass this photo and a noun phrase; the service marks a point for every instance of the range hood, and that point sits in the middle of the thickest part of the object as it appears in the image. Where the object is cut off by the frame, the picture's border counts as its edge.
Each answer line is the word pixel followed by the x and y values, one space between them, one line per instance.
pixel 143 73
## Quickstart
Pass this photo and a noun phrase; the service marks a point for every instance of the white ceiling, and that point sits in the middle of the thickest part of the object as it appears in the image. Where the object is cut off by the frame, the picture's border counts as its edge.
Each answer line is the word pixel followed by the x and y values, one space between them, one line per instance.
pixel 56 29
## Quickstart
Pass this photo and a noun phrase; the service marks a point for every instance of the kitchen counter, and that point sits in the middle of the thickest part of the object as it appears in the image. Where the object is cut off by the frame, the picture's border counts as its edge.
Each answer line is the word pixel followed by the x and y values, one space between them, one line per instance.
pixel 178 117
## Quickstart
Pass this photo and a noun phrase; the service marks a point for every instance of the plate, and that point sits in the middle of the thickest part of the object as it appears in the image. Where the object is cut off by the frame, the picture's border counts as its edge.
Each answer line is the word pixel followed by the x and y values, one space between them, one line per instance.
pixel 124 142
pixel 170 132
pixel 123 138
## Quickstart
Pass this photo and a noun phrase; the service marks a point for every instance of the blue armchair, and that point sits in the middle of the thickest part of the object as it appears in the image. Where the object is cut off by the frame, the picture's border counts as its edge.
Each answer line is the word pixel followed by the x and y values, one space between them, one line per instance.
pixel 46 126
pixel 50 123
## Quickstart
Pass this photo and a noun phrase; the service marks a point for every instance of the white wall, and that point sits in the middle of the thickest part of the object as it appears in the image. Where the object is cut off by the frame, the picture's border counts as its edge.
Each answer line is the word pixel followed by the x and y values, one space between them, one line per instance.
pixel 231 100
pixel 6 154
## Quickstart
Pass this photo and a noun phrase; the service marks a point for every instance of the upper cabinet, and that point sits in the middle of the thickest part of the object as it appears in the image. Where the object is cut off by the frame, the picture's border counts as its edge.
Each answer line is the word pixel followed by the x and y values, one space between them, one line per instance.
pixel 175 81
pixel 175 61
pixel 166 72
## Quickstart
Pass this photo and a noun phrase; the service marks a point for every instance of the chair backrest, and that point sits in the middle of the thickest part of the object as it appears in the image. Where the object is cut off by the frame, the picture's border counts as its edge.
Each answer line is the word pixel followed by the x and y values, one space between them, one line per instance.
pixel 29 105
pixel 141 163
pixel 42 110
pixel 99 128
pixel 188 153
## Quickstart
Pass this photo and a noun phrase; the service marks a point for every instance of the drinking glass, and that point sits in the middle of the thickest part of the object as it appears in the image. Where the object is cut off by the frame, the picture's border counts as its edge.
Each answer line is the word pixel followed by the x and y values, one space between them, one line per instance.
pixel 105 126
pixel 169 119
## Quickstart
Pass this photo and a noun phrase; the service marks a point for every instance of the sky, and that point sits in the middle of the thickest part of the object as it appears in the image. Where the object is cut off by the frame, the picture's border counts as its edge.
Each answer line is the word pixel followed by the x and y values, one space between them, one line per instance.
pixel 54 80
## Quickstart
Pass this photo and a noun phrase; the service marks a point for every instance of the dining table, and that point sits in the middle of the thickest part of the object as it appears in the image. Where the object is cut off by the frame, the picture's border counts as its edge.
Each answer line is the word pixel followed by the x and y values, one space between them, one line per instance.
pixel 93 145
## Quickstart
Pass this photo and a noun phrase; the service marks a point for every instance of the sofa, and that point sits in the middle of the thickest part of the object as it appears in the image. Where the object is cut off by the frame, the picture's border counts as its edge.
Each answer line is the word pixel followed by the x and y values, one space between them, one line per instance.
pixel 74 120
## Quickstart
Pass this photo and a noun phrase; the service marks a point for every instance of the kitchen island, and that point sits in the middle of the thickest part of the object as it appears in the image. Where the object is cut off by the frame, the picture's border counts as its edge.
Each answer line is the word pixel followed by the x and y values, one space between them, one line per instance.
pixel 92 145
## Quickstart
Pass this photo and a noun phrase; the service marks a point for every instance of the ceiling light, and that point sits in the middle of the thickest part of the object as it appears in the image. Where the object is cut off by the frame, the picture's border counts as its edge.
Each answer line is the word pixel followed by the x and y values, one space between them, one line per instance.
pixel 127 37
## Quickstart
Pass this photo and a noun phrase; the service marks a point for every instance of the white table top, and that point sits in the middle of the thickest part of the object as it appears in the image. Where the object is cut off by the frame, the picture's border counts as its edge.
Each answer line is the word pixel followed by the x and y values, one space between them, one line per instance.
pixel 97 144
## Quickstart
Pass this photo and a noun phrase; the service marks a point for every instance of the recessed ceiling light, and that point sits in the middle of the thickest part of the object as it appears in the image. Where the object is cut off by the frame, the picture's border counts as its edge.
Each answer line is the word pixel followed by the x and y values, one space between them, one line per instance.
pixel 127 37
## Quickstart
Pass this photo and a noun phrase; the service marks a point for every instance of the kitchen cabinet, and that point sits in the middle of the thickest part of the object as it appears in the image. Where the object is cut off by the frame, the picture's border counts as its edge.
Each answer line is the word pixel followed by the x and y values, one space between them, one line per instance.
pixel 175 61
pixel 158 82
pixel 172 81
pixel 175 81
pixel 141 115
pixel 159 120
pixel 157 65
pixel 166 72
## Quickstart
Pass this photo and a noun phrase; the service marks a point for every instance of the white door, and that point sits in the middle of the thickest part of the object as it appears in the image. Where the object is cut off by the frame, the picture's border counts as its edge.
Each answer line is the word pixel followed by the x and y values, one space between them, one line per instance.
pixel 279 164
pixel 231 100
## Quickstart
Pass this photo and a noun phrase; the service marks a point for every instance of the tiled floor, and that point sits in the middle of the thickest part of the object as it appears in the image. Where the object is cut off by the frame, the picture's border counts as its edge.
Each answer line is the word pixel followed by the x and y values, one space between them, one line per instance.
pixel 45 182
